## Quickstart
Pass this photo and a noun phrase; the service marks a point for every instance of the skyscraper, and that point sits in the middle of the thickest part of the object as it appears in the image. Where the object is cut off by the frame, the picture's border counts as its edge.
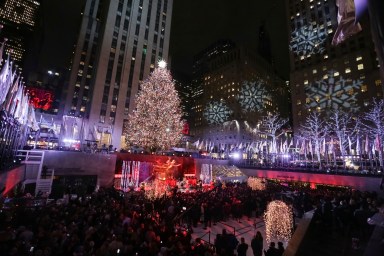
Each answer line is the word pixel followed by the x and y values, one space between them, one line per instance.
pixel 119 44
pixel 18 18
pixel 232 90
pixel 325 77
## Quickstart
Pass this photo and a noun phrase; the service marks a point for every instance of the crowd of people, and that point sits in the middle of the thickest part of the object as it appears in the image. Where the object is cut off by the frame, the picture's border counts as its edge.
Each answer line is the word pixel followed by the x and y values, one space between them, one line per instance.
pixel 110 222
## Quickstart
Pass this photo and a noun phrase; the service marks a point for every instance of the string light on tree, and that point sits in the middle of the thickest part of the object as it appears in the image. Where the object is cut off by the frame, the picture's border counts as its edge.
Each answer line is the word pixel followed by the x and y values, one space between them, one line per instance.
pixel 256 183
pixel 156 122
pixel 278 220
pixel 155 189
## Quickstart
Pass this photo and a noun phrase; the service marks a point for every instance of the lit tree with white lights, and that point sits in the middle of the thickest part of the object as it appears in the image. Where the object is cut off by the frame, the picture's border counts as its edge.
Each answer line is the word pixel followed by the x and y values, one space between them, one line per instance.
pixel 272 125
pixel 374 121
pixel 314 129
pixel 345 128
pixel 156 123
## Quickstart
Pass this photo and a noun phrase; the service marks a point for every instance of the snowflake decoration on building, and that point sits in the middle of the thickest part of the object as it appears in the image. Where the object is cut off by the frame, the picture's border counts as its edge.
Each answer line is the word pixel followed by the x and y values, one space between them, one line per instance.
pixel 217 112
pixel 253 95
pixel 333 92
pixel 308 40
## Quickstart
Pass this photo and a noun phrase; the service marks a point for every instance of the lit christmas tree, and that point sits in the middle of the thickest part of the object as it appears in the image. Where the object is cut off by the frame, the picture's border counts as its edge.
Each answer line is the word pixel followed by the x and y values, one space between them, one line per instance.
pixel 156 122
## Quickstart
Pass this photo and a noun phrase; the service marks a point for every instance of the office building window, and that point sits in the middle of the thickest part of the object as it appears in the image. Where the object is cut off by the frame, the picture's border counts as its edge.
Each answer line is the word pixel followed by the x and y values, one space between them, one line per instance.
pixel 360 66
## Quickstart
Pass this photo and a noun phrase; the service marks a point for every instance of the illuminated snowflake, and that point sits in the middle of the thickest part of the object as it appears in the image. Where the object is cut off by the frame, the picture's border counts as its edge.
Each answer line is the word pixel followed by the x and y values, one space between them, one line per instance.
pixel 216 112
pixel 333 92
pixel 308 40
pixel 252 96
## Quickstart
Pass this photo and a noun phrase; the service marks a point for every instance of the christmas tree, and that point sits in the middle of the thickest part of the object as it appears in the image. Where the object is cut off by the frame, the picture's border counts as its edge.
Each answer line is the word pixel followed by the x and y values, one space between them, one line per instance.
pixel 156 122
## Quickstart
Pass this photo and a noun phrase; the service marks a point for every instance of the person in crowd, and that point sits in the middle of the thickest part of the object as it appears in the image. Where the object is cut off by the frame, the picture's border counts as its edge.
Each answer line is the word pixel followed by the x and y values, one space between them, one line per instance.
pixel 280 248
pixel 242 247
pixel 257 244
pixel 109 220
pixel 272 251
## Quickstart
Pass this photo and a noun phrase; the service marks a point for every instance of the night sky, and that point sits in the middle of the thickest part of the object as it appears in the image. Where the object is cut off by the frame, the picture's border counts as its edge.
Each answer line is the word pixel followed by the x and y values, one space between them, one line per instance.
pixel 195 25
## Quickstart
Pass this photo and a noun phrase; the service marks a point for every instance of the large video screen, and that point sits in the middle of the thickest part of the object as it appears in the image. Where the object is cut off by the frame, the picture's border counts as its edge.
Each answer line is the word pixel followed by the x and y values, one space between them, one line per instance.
pixel 40 98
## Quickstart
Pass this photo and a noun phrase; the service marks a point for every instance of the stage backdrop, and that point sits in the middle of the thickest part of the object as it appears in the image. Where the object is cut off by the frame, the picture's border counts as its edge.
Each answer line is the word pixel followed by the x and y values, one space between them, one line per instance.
pixel 183 165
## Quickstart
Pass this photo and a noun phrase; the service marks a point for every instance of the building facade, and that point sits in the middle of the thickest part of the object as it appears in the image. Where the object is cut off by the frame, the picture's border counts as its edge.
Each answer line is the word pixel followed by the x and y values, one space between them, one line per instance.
pixel 323 76
pixel 233 88
pixel 18 19
pixel 119 44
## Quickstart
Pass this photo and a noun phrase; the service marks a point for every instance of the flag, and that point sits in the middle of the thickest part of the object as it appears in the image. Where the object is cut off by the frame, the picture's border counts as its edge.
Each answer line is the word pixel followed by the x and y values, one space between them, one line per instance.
pixel 16 100
pixel 5 72
pixel 330 148
pixel 11 93
pixel 310 147
pixel 32 122
pixel 302 148
pixel 349 145
pixel 290 143
pixel 377 143
pixel 346 21
pixel 322 150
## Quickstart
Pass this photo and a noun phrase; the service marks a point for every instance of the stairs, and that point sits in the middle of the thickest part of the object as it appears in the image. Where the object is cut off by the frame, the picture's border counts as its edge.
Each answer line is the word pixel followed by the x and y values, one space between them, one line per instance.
pixel 44 182
pixel 34 171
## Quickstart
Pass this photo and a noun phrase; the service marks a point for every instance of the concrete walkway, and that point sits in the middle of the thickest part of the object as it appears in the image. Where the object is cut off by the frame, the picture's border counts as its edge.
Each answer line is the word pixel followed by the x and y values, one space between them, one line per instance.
pixel 246 228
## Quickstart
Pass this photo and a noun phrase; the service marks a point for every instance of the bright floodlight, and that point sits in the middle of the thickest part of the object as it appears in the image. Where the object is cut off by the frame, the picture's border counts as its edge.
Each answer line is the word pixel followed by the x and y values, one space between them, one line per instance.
pixel 236 155
pixel 162 64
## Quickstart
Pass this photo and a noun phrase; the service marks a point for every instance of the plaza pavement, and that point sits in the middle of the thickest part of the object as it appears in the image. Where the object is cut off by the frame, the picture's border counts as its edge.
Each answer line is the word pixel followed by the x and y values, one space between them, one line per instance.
pixel 246 228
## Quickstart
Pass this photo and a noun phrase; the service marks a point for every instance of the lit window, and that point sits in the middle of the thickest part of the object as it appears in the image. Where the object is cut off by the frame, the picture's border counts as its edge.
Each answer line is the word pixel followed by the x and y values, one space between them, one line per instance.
pixel 336 73
pixel 306 82
pixel 330 31
pixel 325 77
pixel 360 66
pixel 347 70
pixel 377 82
pixel 364 88
pixel 326 56
pixel 359 58
pixel 82 109
pixel 307 100
pixel 298 102
pixel 314 71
